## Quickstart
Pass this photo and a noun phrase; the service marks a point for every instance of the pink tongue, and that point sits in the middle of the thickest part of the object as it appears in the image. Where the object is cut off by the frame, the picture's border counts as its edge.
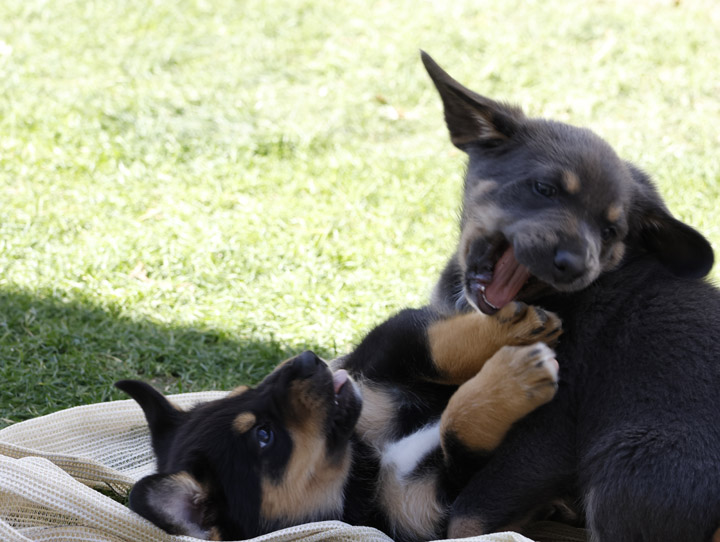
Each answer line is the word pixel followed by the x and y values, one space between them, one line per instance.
pixel 508 278
pixel 339 379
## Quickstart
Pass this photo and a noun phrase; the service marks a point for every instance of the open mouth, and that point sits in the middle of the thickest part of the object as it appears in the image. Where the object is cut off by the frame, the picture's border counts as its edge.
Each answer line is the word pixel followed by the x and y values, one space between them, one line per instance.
pixel 341 387
pixel 498 281
pixel 346 403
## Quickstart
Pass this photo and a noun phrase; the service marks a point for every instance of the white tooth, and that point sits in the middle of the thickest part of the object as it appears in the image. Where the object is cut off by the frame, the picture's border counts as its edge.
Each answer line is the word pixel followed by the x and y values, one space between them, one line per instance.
pixel 486 301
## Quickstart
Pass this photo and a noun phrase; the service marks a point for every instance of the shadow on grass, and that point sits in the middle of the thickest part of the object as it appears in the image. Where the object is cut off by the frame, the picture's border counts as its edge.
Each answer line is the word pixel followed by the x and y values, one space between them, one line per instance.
pixel 55 354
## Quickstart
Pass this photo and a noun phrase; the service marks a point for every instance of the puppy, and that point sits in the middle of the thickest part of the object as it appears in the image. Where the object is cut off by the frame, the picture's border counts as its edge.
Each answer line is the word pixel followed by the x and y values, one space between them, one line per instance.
pixel 551 215
pixel 387 437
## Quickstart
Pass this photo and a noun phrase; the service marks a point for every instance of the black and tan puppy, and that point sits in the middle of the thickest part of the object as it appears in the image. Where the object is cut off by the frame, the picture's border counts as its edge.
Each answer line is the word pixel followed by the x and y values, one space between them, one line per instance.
pixel 385 438
pixel 552 216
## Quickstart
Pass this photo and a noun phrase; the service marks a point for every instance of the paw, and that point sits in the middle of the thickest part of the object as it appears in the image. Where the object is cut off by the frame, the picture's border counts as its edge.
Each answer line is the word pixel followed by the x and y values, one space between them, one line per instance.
pixel 523 324
pixel 513 383
pixel 533 373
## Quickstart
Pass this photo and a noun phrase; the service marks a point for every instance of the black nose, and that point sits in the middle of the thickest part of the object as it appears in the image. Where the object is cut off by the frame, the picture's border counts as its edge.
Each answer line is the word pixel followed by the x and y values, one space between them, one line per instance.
pixel 569 265
pixel 307 363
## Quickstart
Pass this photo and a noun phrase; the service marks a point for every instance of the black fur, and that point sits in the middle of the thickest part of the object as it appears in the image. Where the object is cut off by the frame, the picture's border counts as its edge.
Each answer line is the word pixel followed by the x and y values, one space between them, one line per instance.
pixel 215 481
pixel 633 433
pixel 201 443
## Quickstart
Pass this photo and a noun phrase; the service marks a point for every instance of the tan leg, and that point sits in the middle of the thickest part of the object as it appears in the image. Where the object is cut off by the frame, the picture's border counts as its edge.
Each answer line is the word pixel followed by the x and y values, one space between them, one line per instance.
pixel 460 345
pixel 513 382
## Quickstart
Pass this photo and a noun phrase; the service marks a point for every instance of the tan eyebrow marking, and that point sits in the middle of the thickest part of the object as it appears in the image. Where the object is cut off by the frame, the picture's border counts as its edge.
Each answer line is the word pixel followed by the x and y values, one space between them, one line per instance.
pixel 243 422
pixel 614 212
pixel 571 182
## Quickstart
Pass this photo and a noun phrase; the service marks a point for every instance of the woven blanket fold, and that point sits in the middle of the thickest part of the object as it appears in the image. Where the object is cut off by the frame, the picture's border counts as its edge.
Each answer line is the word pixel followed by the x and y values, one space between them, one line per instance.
pixel 52 467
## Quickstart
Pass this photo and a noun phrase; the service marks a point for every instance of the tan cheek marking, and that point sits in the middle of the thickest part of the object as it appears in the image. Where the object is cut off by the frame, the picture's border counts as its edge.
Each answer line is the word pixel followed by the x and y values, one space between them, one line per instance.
pixel 243 422
pixel 312 484
pixel 571 182
pixel 614 212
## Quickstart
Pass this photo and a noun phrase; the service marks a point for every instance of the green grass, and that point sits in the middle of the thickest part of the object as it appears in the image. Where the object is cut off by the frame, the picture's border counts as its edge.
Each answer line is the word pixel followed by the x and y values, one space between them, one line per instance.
pixel 193 190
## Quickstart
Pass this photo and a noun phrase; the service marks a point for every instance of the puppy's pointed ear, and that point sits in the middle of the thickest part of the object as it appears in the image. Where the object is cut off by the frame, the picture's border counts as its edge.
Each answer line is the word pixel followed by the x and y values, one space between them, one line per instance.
pixel 176 503
pixel 679 247
pixel 162 416
pixel 471 118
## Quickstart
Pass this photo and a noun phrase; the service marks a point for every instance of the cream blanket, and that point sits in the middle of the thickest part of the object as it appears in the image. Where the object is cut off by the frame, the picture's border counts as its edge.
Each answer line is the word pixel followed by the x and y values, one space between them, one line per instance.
pixel 51 468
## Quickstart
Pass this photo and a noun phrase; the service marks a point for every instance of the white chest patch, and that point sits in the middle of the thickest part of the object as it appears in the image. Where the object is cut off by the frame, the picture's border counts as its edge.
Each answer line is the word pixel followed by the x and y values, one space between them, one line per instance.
pixel 404 455
pixel 411 503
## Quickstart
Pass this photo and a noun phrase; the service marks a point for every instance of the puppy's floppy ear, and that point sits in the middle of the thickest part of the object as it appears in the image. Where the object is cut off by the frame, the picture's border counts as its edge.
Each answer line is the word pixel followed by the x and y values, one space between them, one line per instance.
pixel 472 119
pixel 176 503
pixel 679 247
pixel 162 416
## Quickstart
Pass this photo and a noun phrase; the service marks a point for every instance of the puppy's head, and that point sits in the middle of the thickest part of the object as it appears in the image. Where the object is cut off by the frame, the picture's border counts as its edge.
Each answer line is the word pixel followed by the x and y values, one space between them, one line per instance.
pixel 548 206
pixel 257 460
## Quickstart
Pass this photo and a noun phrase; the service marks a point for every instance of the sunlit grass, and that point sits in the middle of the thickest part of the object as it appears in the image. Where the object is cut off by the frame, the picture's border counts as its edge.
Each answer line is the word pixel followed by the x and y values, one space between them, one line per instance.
pixel 193 190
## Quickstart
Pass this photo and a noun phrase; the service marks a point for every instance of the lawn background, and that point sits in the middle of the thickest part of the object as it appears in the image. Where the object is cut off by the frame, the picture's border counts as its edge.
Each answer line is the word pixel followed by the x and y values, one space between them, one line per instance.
pixel 192 190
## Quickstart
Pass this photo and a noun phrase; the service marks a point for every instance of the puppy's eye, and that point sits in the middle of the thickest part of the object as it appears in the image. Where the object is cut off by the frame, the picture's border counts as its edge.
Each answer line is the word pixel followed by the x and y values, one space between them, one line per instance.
pixel 608 233
pixel 544 189
pixel 264 436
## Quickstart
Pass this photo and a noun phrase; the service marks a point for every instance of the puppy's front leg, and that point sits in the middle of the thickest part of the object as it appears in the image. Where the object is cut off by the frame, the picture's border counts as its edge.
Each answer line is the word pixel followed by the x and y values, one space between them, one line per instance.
pixel 460 345
pixel 513 383
pixel 507 485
